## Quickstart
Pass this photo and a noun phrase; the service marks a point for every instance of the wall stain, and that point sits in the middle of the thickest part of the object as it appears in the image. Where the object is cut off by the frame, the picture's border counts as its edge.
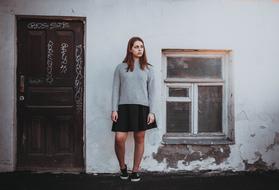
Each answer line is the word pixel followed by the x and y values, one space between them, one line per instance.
pixel 189 153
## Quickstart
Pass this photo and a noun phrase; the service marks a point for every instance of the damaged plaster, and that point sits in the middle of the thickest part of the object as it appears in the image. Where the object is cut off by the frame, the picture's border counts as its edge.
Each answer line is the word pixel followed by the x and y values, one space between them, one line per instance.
pixel 256 116
pixel 275 142
pixel 188 153
pixel 259 164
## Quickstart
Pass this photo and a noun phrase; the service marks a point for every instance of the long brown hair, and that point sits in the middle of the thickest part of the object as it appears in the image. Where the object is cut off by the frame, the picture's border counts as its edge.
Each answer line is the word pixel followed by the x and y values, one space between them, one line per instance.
pixel 129 59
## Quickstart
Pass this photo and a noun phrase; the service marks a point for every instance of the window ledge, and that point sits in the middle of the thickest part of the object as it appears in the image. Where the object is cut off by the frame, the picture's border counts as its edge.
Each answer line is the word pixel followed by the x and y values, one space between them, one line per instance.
pixel 196 139
pixel 191 80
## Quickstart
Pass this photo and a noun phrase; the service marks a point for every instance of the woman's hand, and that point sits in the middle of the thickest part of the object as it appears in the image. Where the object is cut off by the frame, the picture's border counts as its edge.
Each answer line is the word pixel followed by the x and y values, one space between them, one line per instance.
pixel 114 116
pixel 150 118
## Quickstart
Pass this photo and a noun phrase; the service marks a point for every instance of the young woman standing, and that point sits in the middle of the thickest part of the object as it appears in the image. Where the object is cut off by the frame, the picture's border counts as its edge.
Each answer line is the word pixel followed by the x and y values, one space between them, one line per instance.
pixel 133 98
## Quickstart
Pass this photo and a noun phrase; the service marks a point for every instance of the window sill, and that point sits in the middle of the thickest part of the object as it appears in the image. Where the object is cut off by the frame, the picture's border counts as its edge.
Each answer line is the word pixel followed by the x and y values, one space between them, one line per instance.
pixel 191 80
pixel 181 138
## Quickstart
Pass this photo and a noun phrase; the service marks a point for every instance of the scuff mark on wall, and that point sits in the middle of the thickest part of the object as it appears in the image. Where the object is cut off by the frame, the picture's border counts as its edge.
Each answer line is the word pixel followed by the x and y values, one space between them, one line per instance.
pixel 262 127
pixel 253 135
pixel 188 153
pixel 275 142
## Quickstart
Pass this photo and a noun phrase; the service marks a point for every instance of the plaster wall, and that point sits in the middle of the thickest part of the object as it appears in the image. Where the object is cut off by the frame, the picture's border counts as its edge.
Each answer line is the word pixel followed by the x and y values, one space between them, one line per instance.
pixel 249 28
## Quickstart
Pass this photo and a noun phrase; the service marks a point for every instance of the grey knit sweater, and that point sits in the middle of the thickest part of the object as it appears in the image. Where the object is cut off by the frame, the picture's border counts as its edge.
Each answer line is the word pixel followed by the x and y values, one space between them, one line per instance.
pixel 137 87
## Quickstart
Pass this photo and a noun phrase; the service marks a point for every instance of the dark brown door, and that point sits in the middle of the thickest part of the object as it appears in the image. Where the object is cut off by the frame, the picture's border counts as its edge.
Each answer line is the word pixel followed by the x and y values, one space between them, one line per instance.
pixel 50 86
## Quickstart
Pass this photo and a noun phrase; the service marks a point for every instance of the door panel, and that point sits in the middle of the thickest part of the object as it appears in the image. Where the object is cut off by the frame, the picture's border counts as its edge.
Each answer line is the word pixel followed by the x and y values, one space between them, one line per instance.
pixel 50 93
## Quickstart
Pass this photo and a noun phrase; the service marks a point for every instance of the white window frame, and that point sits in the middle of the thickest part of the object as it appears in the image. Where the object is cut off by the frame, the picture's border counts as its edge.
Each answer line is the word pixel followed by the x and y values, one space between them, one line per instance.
pixel 227 134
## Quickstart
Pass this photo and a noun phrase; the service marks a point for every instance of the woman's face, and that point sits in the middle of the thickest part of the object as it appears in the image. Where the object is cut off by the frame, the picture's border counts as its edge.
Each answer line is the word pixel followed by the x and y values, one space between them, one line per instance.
pixel 137 49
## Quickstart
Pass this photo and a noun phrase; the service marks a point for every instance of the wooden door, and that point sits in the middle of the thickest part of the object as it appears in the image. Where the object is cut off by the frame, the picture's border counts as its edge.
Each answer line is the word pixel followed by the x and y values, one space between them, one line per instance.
pixel 50 86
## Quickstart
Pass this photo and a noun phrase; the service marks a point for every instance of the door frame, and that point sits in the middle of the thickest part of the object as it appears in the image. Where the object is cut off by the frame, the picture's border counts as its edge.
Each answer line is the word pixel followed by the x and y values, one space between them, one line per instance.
pixel 64 18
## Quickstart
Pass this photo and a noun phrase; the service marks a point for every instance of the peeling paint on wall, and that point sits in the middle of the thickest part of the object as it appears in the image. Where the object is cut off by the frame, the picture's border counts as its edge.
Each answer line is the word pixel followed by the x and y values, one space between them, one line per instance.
pixel 189 153
pixel 258 165
pixel 275 142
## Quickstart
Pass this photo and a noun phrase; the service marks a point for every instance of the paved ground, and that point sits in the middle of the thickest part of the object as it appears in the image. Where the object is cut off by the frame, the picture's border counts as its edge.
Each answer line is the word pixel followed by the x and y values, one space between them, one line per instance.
pixel 155 181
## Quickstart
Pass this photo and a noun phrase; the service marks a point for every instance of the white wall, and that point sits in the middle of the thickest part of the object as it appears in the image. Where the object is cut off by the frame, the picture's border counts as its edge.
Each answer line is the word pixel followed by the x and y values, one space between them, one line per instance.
pixel 248 27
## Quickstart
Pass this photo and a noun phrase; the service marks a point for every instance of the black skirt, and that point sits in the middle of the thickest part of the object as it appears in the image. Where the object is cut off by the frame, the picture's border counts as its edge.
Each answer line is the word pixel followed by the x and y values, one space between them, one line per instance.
pixel 132 117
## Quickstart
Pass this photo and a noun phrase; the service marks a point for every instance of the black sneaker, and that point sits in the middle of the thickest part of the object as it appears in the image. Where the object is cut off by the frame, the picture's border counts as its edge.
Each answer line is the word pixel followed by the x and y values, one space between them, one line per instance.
pixel 135 177
pixel 124 173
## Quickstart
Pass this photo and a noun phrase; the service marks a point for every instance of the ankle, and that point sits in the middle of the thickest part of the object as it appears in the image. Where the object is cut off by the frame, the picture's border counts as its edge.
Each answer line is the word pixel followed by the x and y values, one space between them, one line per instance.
pixel 134 170
pixel 122 167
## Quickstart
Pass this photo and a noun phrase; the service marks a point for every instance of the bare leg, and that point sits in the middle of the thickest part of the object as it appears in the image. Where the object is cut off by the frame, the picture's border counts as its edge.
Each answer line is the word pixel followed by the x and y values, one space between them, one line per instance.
pixel 139 149
pixel 119 146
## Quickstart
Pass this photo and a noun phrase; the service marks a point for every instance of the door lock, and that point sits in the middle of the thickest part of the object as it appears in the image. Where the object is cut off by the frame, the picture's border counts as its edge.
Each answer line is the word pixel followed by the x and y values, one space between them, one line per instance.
pixel 21 98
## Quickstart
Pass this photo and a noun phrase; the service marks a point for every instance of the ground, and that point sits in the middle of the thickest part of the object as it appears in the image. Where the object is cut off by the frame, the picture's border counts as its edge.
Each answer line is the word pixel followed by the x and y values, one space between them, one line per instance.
pixel 256 180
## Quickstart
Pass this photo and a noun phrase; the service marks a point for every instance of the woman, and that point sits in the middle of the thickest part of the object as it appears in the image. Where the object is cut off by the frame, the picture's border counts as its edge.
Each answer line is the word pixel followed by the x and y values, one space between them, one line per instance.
pixel 133 100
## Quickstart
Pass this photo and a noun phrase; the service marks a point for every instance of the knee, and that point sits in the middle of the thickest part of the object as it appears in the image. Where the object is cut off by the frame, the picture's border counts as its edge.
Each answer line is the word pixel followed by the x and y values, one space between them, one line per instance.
pixel 139 138
pixel 120 140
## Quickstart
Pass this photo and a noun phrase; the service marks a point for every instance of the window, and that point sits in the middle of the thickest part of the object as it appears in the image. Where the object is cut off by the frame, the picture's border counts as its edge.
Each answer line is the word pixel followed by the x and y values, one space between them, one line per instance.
pixel 198 104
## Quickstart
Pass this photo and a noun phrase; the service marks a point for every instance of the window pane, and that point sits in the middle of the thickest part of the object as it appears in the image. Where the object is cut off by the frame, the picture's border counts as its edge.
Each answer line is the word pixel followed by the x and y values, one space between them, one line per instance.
pixel 179 92
pixel 194 67
pixel 210 109
pixel 178 116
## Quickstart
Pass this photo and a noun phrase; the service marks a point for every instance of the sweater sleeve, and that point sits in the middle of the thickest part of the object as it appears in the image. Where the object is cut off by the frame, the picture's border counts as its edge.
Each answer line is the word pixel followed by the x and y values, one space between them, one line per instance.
pixel 151 90
pixel 115 89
